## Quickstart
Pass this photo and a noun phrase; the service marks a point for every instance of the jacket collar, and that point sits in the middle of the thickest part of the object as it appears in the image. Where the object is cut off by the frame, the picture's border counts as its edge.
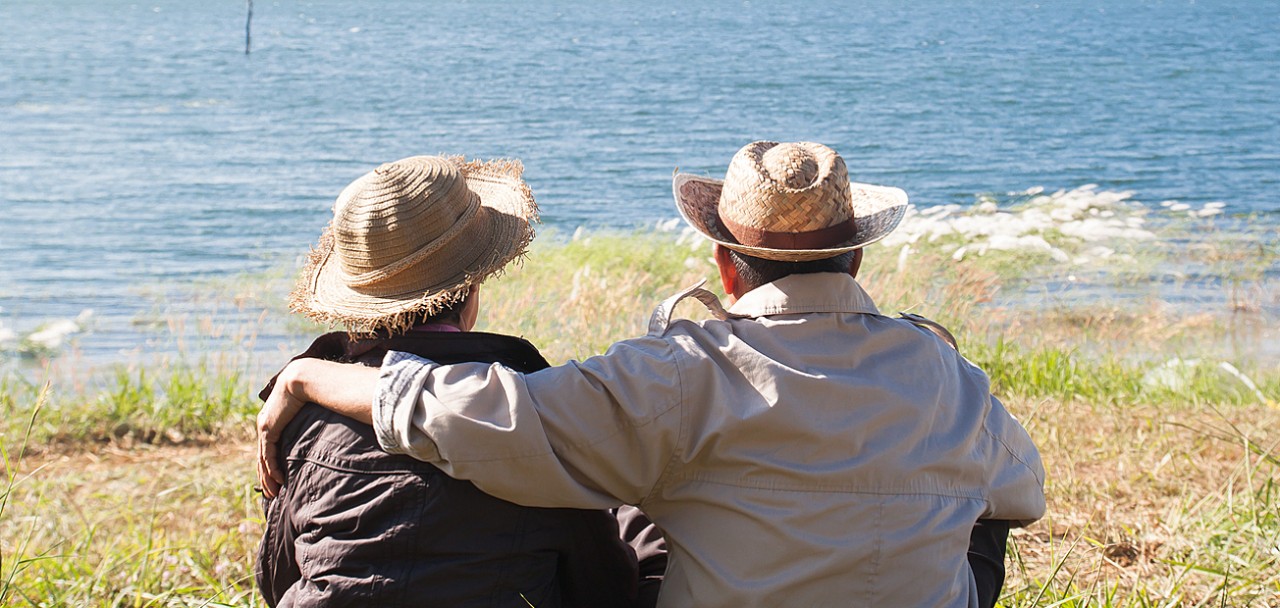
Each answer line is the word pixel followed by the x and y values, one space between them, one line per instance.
pixel 806 293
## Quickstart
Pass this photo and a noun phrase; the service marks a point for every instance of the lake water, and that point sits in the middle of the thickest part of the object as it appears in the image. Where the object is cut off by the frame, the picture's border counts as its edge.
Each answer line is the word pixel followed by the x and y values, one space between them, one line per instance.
pixel 141 151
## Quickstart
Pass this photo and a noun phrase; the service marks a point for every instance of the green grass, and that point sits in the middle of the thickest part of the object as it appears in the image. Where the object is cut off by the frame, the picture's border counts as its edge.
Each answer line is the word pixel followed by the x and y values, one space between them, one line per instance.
pixel 1058 373
pixel 170 405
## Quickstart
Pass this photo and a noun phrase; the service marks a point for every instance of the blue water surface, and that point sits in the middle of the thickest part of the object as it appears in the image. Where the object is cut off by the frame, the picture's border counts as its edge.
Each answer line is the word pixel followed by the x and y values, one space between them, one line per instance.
pixel 141 149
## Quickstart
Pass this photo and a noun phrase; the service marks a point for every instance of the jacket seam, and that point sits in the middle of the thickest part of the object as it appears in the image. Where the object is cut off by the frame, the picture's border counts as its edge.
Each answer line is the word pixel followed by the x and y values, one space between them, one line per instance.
pixel 578 446
pixel 1012 453
pixel 680 435
pixel 360 468
pixel 879 554
pixel 836 490
pixel 568 447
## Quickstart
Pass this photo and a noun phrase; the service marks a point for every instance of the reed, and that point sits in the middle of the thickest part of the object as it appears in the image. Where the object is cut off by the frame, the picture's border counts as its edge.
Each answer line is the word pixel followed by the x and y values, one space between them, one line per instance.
pixel 573 298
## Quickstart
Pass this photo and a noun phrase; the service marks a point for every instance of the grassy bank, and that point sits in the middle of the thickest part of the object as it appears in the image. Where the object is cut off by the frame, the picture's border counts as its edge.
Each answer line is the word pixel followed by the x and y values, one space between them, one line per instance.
pixel 1156 419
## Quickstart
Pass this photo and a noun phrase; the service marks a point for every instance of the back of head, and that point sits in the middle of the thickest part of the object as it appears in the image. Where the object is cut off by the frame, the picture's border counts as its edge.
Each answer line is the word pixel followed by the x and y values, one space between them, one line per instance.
pixel 754 271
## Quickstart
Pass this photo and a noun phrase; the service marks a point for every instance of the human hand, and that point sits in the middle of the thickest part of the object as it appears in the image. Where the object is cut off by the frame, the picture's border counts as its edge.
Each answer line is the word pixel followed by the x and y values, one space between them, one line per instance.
pixel 281 406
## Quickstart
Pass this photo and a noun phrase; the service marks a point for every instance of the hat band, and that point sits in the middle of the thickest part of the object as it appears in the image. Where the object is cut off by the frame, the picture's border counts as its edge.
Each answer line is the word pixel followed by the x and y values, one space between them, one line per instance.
pixel 822 238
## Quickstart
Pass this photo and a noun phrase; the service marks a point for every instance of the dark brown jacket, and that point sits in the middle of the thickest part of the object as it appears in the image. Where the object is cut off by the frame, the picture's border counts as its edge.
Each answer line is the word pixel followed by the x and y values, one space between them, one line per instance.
pixel 355 526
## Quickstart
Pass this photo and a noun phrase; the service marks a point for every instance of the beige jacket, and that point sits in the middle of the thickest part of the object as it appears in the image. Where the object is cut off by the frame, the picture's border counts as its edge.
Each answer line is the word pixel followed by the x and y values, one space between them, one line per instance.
pixel 811 453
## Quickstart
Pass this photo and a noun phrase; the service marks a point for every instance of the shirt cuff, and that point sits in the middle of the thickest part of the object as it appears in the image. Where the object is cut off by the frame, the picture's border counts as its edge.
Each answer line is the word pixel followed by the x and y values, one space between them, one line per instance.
pixel 395 402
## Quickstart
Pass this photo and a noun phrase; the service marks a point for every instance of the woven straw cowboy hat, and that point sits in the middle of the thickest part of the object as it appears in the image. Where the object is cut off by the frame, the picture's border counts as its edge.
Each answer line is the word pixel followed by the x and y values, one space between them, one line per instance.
pixel 411 237
pixel 788 201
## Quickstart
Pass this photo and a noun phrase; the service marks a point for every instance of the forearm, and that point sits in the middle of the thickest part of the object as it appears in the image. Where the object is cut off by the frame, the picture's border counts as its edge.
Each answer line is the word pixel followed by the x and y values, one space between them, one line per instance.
pixel 347 389
pixel 582 435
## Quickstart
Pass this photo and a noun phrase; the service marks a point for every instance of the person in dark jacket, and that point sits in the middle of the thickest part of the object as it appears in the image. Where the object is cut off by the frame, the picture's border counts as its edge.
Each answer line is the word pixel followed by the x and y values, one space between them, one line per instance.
pixel 400 267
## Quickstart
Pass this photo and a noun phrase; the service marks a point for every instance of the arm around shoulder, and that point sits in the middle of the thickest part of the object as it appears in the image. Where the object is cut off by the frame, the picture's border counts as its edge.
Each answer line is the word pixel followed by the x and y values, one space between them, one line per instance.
pixel 593 434
pixel 346 388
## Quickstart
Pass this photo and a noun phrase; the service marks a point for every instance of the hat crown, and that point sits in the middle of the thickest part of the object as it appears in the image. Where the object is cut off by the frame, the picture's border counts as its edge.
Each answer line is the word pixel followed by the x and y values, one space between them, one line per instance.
pixel 396 210
pixel 791 165
pixel 785 187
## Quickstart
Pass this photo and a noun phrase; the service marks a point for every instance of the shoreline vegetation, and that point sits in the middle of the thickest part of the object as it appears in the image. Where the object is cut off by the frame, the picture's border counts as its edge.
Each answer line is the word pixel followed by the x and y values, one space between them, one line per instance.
pixel 1138 345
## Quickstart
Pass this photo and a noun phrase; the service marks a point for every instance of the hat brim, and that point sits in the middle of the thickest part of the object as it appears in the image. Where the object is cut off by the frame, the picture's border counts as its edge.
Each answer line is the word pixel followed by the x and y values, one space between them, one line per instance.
pixel 500 231
pixel 877 210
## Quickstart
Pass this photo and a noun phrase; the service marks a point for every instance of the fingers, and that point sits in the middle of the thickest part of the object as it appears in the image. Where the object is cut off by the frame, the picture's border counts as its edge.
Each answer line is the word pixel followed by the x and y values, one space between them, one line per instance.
pixel 267 456
pixel 280 408
pixel 274 416
pixel 269 476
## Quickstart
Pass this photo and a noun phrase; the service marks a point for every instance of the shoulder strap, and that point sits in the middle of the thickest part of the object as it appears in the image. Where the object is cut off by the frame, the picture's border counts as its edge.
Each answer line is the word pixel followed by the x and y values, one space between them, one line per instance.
pixel 661 318
pixel 932 326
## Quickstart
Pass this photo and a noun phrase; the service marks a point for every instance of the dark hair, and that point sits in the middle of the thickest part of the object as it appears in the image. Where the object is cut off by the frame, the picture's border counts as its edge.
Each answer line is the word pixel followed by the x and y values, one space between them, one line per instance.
pixel 451 314
pixel 754 271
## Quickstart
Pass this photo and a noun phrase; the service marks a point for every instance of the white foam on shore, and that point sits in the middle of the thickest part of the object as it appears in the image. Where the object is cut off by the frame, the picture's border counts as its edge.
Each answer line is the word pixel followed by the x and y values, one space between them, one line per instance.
pixel 1079 226
pixel 1052 224
pixel 669 225
pixel 48 338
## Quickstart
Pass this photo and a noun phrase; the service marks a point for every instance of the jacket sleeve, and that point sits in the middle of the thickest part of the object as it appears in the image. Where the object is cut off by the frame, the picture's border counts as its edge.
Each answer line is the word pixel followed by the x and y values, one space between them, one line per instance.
pixel 594 434
pixel 1016 475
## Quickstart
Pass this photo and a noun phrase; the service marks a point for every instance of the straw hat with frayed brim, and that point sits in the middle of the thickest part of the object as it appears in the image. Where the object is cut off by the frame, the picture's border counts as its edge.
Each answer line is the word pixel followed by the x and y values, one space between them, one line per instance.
pixel 409 239
pixel 791 202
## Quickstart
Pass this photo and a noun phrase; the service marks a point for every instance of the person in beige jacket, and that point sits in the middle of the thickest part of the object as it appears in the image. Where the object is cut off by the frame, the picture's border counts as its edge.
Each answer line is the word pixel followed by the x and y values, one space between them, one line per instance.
pixel 801 449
